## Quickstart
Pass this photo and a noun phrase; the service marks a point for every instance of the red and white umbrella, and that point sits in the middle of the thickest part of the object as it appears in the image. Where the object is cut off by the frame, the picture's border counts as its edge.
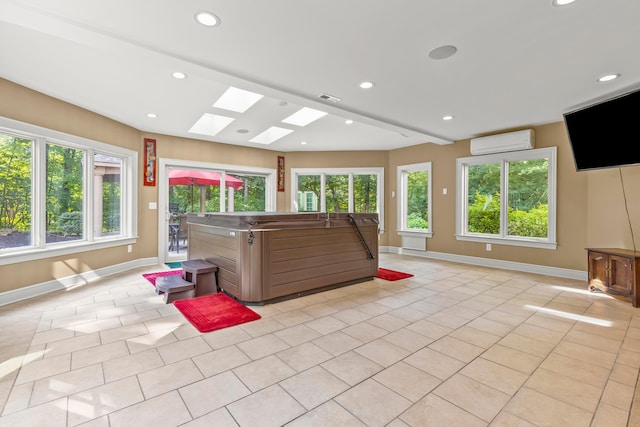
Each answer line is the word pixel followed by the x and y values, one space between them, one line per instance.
pixel 202 179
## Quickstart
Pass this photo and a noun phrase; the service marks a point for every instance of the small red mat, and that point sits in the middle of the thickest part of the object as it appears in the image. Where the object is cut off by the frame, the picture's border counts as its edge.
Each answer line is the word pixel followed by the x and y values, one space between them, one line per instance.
pixel 151 277
pixel 386 274
pixel 215 311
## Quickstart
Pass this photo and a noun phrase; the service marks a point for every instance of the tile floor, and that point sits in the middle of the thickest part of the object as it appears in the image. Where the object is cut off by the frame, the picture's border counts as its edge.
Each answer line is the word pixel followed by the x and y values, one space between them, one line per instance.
pixel 456 345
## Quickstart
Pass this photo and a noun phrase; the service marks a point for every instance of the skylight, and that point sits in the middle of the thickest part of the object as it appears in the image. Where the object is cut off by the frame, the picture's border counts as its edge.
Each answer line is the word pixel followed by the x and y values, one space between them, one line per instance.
pixel 238 100
pixel 304 116
pixel 271 135
pixel 210 124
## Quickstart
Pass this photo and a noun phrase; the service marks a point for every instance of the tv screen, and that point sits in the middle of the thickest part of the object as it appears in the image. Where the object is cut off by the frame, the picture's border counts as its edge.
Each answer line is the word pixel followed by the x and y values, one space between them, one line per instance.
pixel 606 134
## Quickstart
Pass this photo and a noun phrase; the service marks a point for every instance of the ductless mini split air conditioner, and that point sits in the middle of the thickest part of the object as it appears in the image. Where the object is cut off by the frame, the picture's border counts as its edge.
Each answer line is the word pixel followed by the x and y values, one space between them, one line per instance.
pixel 503 142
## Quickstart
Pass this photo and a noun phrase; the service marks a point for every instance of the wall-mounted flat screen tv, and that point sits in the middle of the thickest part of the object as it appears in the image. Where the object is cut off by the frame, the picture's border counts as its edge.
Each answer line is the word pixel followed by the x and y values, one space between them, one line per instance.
pixel 606 134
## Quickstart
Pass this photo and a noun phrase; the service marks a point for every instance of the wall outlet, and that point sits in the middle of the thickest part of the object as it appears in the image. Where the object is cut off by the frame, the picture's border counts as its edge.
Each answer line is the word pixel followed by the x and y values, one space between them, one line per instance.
pixel 444 190
pixel 130 248
pixel 489 246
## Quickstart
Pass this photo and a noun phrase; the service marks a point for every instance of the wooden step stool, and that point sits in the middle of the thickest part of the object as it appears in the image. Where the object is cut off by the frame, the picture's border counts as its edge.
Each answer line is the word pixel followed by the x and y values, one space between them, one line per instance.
pixel 174 287
pixel 202 274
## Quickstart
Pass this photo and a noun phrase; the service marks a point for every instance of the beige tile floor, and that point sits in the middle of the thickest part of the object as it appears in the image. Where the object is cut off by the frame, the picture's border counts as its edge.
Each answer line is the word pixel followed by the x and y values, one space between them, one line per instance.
pixel 456 345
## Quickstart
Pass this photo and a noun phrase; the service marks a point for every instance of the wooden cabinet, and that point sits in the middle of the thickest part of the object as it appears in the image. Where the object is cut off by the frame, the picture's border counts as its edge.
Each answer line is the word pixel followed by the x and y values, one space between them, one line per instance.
pixel 615 271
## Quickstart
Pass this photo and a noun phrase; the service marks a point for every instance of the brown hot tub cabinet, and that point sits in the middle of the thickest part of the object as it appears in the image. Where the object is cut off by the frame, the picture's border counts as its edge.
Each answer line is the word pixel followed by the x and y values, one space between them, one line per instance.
pixel 263 257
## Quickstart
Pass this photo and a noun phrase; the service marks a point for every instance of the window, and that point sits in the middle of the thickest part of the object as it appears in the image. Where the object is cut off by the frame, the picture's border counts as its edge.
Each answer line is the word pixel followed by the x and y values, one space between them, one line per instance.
pixel 15 187
pixel 508 198
pixel 197 187
pixel 64 191
pixel 308 192
pixel 62 194
pixel 357 190
pixel 307 201
pixel 251 197
pixel 337 193
pixel 108 208
pixel 414 211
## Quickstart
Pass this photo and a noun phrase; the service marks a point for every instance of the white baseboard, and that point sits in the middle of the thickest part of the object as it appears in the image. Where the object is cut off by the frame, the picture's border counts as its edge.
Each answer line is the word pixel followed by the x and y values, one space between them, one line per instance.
pixel 15 295
pixel 27 292
pixel 486 262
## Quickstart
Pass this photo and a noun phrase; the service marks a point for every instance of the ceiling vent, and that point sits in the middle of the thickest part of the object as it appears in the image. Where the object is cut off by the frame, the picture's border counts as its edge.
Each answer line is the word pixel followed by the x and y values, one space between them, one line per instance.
pixel 328 97
pixel 503 142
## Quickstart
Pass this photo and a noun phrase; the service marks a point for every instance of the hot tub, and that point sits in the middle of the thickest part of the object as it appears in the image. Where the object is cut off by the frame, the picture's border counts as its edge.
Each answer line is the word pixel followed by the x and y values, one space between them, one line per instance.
pixel 265 257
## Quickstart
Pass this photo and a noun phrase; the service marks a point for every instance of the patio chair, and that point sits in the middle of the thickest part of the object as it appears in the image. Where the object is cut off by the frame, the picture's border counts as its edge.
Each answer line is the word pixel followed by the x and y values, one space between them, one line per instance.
pixel 182 232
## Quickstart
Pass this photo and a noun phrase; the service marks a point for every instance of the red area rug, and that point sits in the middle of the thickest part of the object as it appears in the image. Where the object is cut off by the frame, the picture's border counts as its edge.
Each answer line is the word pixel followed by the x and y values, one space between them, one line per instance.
pixel 151 277
pixel 386 274
pixel 215 311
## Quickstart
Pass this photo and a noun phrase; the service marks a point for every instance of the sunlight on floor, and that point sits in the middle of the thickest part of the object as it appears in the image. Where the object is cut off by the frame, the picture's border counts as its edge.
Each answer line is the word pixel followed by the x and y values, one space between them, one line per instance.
pixel 582 291
pixel 12 365
pixel 578 317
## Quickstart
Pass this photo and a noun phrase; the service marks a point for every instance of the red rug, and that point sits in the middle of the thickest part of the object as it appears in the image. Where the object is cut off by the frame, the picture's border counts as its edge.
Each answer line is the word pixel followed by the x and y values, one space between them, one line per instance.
pixel 386 274
pixel 216 311
pixel 153 276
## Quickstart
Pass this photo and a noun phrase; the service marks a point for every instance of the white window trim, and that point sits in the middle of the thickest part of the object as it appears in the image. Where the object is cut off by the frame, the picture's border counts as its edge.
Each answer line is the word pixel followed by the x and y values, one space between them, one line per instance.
pixel 129 173
pixel 163 189
pixel 379 172
pixel 461 201
pixel 402 229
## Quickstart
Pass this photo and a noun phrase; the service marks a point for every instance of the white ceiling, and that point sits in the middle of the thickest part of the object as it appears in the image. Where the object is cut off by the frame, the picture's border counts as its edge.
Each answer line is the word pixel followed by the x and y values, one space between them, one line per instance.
pixel 518 63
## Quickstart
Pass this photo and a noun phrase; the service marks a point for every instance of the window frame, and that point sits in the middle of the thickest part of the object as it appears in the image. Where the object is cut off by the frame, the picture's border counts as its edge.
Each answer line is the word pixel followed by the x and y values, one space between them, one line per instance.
pixel 402 171
pixel 164 164
pixel 550 153
pixel 39 249
pixel 378 171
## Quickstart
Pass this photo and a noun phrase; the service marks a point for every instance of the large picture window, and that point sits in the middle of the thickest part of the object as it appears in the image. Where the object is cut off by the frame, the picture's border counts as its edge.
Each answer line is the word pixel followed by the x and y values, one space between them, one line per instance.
pixel 414 192
pixel 508 198
pixel 15 189
pixel 357 190
pixel 62 193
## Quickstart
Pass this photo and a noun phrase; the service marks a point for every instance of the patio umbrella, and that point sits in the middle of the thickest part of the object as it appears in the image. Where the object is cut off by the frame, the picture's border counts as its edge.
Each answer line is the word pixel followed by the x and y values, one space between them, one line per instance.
pixel 201 178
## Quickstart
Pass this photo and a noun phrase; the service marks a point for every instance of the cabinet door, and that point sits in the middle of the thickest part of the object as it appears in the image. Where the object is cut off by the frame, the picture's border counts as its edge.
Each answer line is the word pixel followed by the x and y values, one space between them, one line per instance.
pixel 598 267
pixel 621 274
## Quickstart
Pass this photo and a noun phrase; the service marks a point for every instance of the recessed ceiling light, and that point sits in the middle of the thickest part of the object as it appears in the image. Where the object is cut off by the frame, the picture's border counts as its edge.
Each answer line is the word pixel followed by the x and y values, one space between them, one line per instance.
pixel 559 3
pixel 303 142
pixel 608 77
pixel 348 121
pixel 152 115
pixel 179 75
pixel 271 135
pixel 366 85
pixel 243 131
pixel 210 124
pixel 207 19
pixel 449 117
pixel 443 52
pixel 304 116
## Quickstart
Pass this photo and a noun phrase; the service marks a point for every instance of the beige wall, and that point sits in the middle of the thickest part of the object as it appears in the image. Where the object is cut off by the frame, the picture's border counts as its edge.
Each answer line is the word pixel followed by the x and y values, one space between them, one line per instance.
pixel 28 106
pixel 572 203
pixel 613 192
pixel 176 148
pixel 591 206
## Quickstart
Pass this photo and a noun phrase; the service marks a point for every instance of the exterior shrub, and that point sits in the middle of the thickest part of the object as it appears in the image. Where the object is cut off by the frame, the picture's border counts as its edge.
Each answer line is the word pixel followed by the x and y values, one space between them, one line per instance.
pixel 414 220
pixel 70 223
